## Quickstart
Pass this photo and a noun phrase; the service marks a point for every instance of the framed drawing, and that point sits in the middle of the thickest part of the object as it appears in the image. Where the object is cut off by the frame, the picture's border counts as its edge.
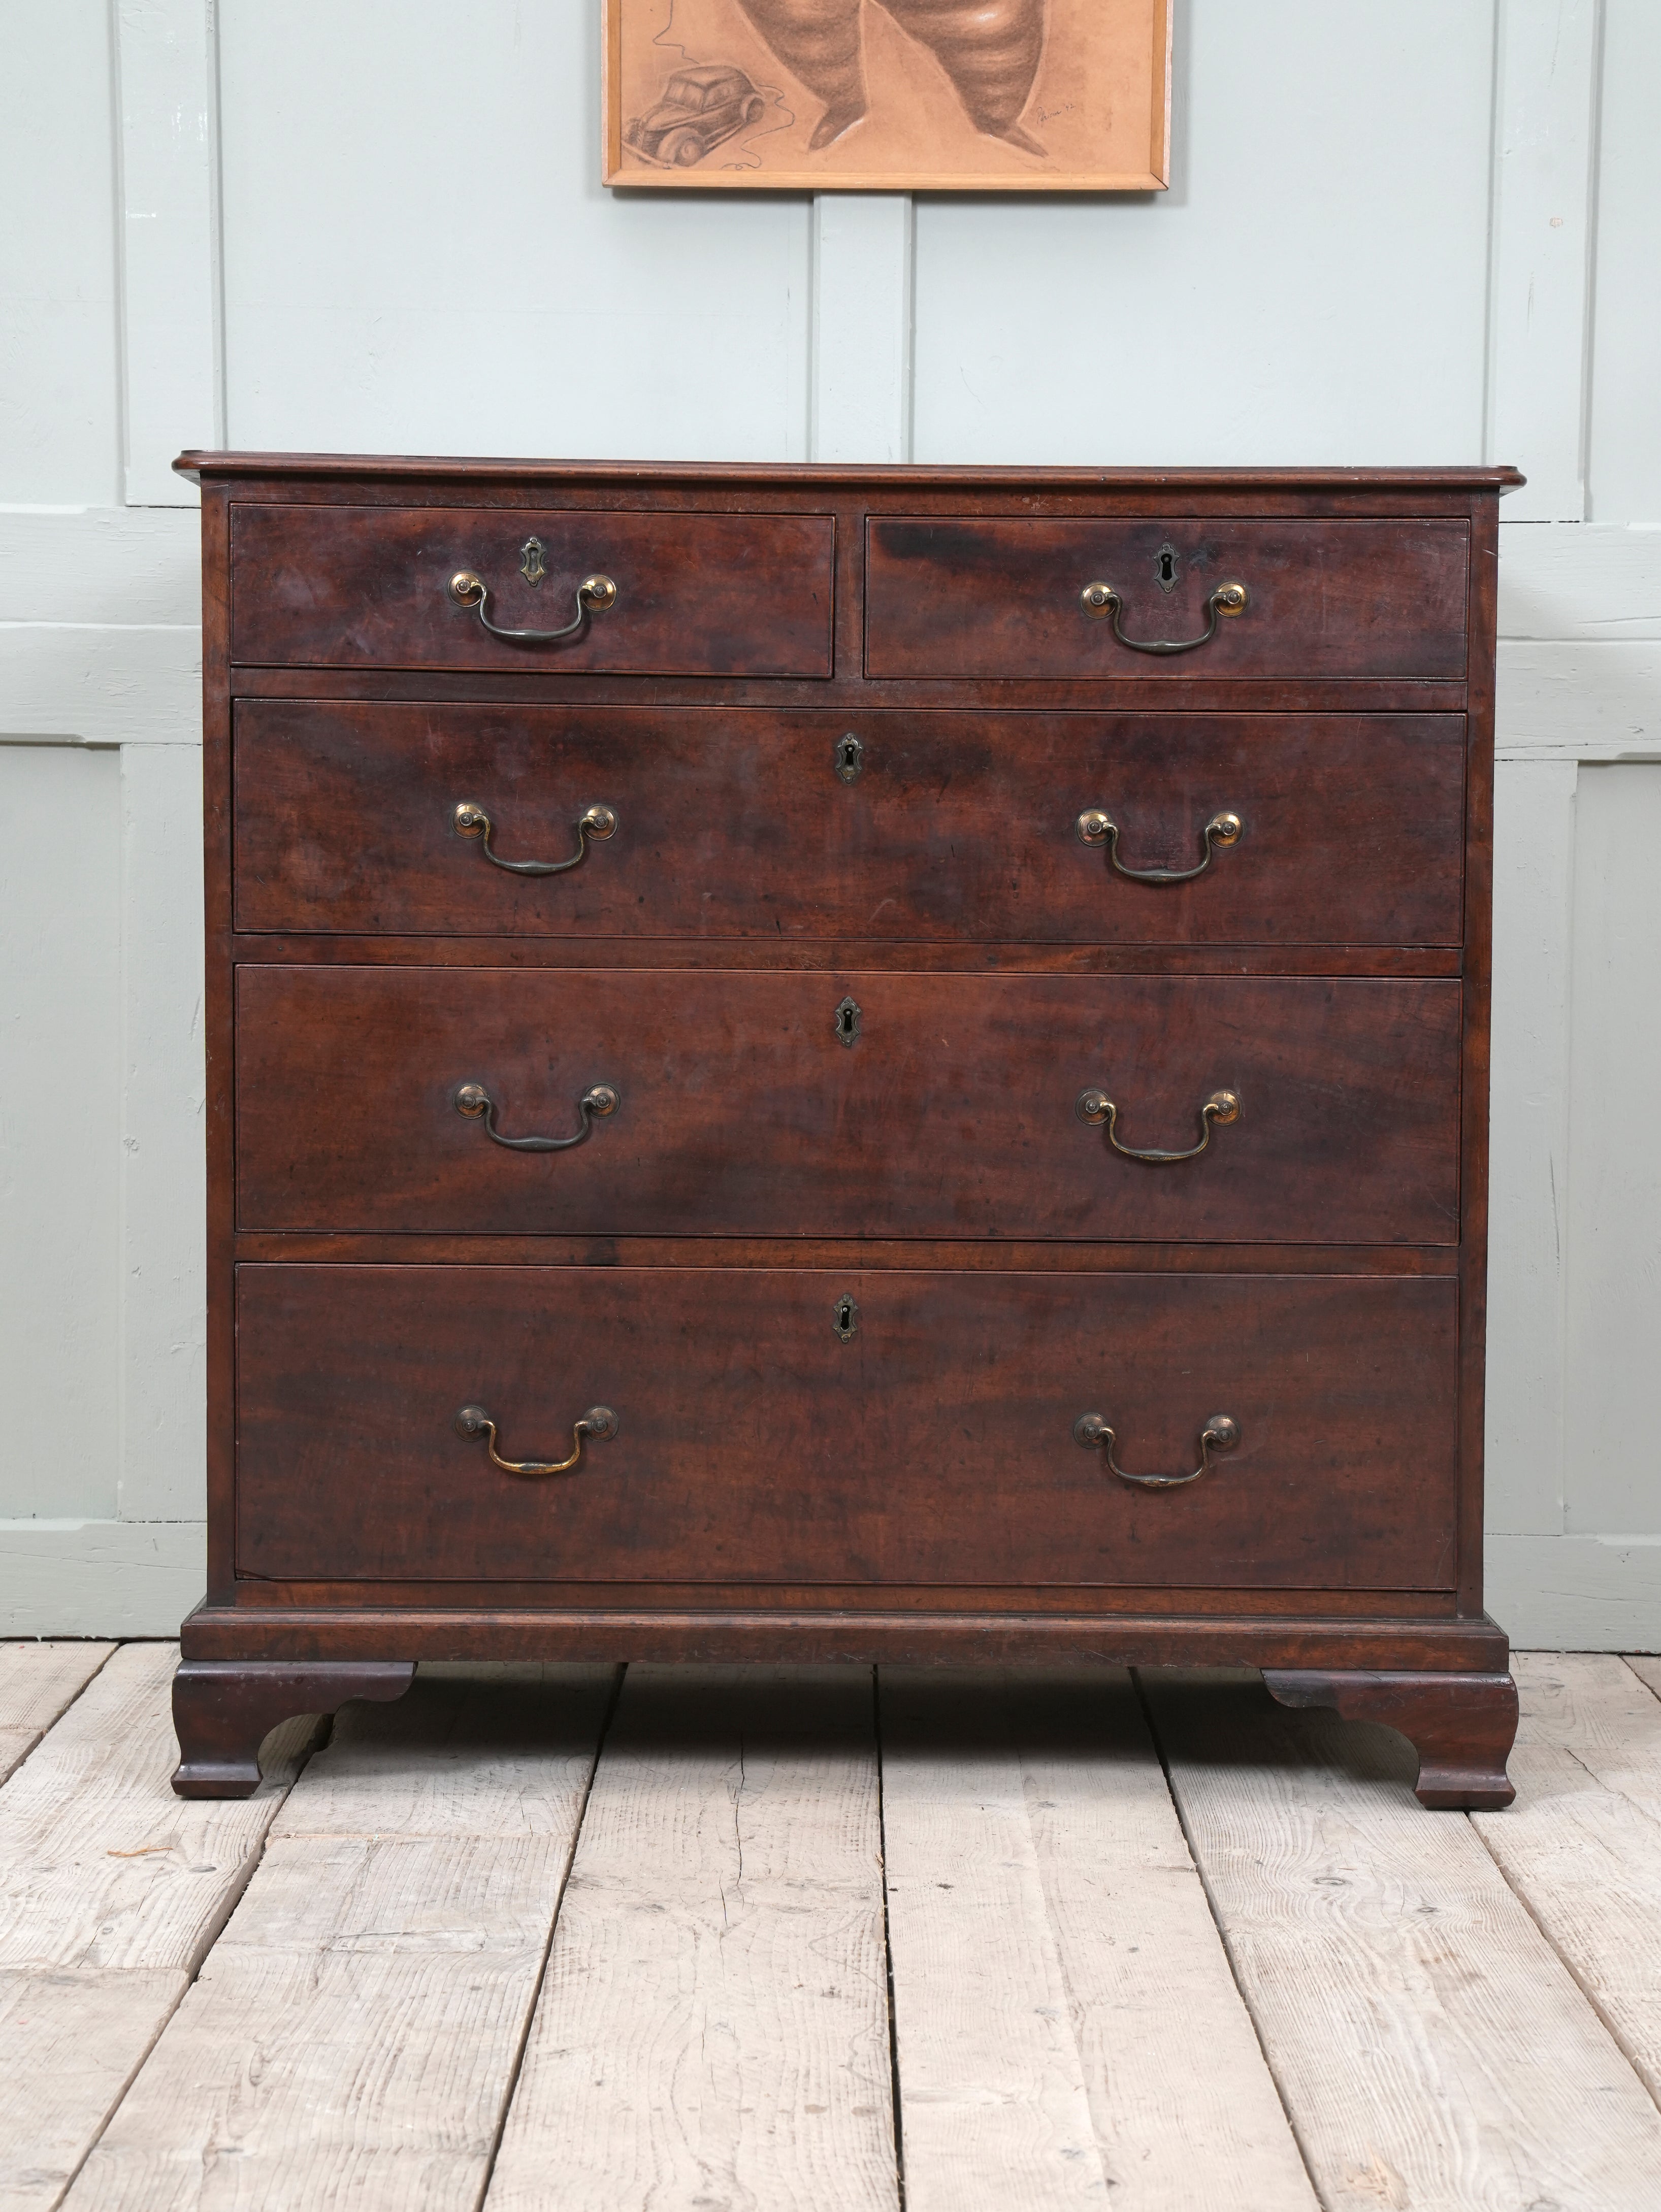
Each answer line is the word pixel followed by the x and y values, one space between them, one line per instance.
pixel 889 95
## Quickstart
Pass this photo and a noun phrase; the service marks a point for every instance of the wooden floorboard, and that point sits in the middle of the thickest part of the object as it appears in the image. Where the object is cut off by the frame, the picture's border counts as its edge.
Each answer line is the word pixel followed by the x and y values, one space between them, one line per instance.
pixel 713 2030
pixel 37 1682
pixel 352 1989
pixel 1433 2051
pixel 1582 1845
pixel 112 1890
pixel 352 2037
pixel 1068 2031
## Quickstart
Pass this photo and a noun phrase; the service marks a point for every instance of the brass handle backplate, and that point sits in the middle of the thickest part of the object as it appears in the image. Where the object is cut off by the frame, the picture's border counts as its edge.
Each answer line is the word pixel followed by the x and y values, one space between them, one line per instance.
pixel 473 1100
pixel 598 1422
pixel 1095 828
pixel 469 819
pixel 1221 1433
pixel 1100 601
pixel 594 594
pixel 1095 1107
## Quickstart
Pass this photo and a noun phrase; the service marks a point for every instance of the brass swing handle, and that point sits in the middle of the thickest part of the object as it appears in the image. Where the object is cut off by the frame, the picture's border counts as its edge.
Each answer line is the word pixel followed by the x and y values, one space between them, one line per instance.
pixel 594 593
pixel 469 819
pixel 1221 1433
pixel 598 1422
pixel 476 1103
pixel 1095 1107
pixel 1101 600
pixel 1095 828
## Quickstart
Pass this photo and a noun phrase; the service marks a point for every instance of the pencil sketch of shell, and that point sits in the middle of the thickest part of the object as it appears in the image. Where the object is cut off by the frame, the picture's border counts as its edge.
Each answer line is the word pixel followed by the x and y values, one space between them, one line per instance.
pixel 990 49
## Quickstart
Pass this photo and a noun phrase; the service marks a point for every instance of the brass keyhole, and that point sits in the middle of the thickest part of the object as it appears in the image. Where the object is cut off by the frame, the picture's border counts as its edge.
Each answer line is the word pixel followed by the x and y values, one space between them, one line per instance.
pixel 848 1021
pixel 1164 568
pixel 850 758
pixel 845 1319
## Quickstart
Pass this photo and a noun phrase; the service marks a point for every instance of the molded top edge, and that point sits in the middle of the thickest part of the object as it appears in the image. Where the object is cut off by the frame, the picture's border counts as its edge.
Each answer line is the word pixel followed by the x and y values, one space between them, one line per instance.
pixel 398 466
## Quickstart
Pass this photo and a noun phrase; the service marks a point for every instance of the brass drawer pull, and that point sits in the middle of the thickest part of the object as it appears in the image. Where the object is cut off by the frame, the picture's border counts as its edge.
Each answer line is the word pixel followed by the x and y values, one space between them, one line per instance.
pixel 1095 828
pixel 1095 1107
pixel 475 1101
pixel 594 594
pixel 1101 600
pixel 469 819
pixel 598 1422
pixel 1221 1433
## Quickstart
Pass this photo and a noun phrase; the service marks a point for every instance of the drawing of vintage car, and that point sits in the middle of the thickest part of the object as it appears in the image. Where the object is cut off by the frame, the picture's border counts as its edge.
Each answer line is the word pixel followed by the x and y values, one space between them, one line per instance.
pixel 700 107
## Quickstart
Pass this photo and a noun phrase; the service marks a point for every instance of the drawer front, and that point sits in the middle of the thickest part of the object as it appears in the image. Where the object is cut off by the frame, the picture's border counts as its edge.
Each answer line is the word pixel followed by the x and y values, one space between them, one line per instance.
pixel 1324 598
pixel 743 1109
pixel 934 826
pixel 754 1443
pixel 697 594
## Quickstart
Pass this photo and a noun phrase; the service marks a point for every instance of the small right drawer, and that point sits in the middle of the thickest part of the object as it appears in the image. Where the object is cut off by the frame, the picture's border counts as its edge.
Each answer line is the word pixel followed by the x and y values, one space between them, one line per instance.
pixel 1008 596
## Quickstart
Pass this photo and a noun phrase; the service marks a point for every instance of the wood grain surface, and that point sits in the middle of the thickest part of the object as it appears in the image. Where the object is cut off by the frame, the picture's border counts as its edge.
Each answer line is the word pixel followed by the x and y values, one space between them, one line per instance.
pixel 1068 2031
pixel 111 1894
pixel 1582 1845
pixel 703 594
pixel 1000 596
pixel 754 1443
pixel 735 823
pixel 901 1496
pixel 743 1111
pixel 714 2025
pixel 36 1681
pixel 1433 2049
pixel 380 1969
pixel 1287 1987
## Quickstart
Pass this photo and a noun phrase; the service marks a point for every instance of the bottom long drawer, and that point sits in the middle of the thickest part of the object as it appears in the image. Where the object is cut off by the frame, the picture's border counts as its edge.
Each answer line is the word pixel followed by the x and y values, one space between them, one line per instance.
pixel 796 1425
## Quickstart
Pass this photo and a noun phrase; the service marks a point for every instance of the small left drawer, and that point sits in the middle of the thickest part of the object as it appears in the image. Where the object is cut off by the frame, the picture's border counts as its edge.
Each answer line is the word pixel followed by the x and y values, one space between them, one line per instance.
pixel 499 589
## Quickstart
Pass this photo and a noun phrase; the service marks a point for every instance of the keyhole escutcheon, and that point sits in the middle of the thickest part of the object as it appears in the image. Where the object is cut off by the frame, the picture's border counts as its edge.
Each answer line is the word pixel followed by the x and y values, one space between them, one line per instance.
pixel 845 1319
pixel 1165 567
pixel 850 758
pixel 848 1021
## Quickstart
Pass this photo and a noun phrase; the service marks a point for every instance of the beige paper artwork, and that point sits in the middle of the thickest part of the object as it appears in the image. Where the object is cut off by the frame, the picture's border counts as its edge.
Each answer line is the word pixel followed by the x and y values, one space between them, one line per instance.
pixel 872 95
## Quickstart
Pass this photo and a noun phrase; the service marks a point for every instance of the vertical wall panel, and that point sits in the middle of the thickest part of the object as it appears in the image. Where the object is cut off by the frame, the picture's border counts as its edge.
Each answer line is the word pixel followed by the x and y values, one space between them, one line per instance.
pixel 1545 112
pixel 1613 1448
pixel 165 76
pixel 1528 1143
pixel 1625 468
pixel 1313 287
pixel 420 255
pixel 163 1349
pixel 60 872
pixel 860 406
pixel 59 387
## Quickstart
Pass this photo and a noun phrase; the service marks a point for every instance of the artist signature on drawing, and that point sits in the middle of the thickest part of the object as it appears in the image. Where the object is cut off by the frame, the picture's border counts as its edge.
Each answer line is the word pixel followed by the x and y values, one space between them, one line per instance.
pixel 1049 114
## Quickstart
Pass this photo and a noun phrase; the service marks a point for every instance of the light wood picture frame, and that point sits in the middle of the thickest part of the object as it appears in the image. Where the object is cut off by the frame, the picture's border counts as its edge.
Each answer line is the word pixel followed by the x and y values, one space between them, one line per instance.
pixel 887 95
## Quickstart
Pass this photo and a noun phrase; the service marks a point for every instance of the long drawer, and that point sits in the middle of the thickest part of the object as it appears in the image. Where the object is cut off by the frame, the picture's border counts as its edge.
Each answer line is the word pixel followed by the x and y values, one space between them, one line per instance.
pixel 691 593
pixel 1020 596
pixel 925 826
pixel 805 1426
pixel 836 1104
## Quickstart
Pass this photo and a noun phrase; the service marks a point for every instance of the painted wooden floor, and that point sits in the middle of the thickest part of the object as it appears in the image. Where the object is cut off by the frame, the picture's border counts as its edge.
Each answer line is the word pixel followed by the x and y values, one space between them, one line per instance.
pixel 770 1940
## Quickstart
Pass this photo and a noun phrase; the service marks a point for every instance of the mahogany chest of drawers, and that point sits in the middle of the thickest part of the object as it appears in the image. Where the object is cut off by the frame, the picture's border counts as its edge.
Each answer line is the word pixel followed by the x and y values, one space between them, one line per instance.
pixel 847 1064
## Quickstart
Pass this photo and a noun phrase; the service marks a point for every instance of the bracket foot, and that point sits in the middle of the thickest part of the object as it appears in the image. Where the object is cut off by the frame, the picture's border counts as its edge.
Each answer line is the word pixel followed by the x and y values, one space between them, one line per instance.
pixel 224 1709
pixel 1461 1726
